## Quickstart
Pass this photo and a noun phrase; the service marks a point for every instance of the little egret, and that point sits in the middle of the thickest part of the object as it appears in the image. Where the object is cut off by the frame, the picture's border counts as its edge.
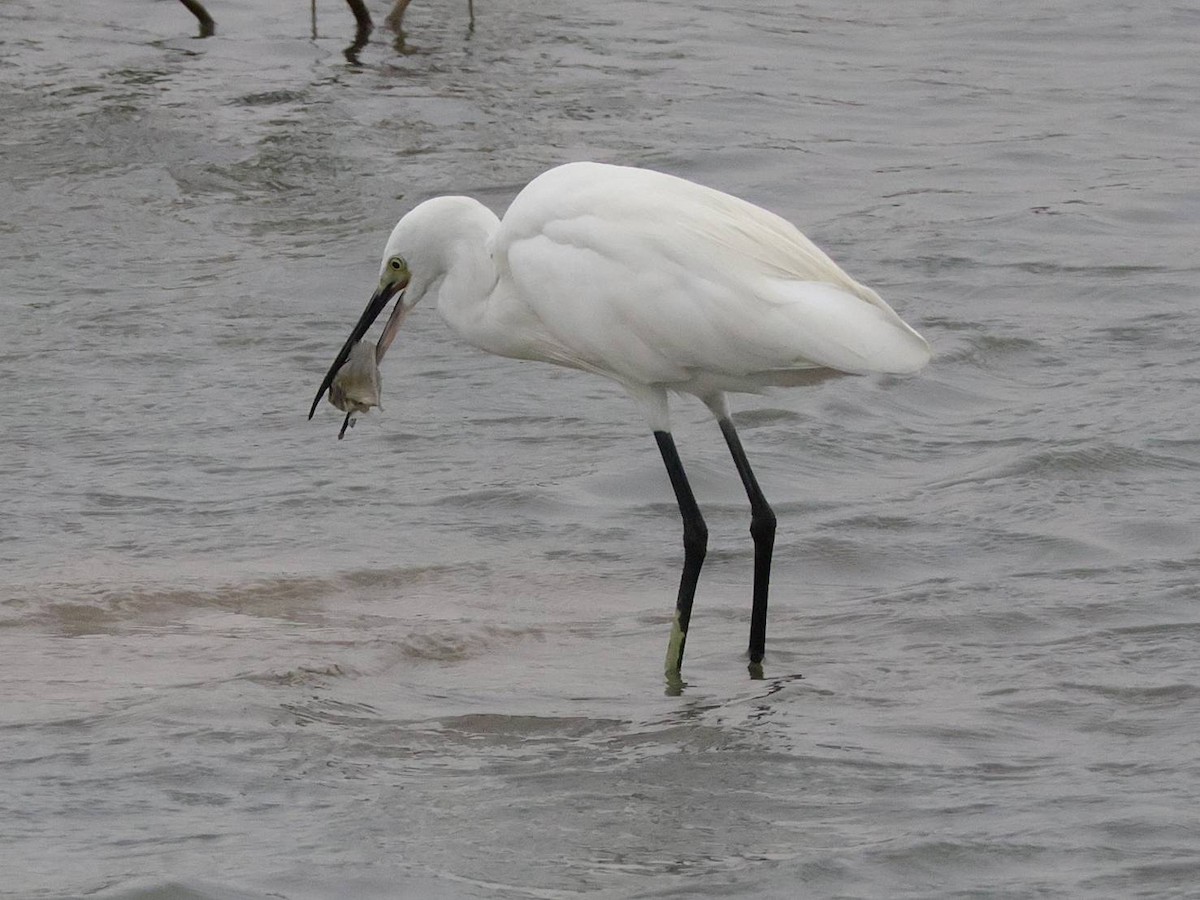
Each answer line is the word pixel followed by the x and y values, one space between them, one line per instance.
pixel 659 284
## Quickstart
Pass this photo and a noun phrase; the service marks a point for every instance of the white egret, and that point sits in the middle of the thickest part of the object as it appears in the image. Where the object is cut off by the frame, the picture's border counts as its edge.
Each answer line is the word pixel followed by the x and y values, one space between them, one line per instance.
pixel 659 284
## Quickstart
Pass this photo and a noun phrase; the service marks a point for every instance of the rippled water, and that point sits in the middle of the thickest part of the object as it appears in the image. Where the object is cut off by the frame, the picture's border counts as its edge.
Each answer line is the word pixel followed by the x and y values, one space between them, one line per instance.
pixel 244 659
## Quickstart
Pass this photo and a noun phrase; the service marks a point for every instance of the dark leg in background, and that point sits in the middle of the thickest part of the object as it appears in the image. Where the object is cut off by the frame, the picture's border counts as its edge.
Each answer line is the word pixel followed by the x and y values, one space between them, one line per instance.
pixel 362 31
pixel 362 17
pixel 695 545
pixel 762 529
pixel 196 8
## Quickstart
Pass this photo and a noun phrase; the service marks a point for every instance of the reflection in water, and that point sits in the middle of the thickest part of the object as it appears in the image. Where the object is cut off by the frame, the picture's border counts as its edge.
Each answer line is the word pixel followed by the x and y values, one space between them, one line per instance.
pixel 395 22
pixel 362 35
pixel 362 29
pixel 362 18
pixel 395 18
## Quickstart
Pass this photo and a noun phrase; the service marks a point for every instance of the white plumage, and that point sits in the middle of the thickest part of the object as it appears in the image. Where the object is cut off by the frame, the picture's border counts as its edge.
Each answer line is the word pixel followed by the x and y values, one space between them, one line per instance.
pixel 653 281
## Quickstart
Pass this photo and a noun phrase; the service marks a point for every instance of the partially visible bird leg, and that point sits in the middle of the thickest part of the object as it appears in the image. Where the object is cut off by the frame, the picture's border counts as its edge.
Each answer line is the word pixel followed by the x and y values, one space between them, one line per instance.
pixel 395 19
pixel 362 18
pixel 762 529
pixel 695 546
pixel 196 8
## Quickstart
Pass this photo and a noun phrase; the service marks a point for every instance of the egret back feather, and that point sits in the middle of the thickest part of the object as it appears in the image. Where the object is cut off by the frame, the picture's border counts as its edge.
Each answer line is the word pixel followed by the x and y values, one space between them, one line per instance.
pixel 652 279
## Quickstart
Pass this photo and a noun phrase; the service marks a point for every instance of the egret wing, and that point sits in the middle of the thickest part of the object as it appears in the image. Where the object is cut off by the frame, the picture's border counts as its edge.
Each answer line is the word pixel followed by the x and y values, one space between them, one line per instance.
pixel 652 278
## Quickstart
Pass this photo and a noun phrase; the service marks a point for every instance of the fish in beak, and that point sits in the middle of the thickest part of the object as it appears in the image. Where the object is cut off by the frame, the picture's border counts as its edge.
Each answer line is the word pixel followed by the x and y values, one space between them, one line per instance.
pixel 353 380
pixel 357 385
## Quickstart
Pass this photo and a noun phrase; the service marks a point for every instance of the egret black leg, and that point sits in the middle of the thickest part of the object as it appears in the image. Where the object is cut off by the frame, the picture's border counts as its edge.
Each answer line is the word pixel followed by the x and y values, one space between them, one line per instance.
pixel 207 26
pixel 762 529
pixel 695 545
pixel 362 18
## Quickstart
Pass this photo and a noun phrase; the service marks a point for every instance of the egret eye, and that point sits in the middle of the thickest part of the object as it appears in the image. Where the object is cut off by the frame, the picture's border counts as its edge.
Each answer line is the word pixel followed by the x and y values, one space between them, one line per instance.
pixel 397 264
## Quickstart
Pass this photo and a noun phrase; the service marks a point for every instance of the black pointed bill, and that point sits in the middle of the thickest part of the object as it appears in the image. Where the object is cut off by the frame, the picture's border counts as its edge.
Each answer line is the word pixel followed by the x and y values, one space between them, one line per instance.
pixel 376 305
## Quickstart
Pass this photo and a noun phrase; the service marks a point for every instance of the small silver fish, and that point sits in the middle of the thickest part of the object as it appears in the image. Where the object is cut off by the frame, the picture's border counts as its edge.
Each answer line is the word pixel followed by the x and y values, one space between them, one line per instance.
pixel 357 385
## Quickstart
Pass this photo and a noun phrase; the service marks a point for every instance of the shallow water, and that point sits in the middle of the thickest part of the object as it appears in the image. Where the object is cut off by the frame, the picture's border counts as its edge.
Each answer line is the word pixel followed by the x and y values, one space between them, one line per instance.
pixel 244 659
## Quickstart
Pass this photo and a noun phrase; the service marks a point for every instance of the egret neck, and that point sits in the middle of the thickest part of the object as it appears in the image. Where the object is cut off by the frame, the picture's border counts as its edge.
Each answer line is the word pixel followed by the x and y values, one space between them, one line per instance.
pixel 463 282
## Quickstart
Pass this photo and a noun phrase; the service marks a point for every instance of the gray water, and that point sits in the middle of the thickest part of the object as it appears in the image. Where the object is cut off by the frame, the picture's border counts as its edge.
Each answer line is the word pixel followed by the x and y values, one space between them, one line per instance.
pixel 242 659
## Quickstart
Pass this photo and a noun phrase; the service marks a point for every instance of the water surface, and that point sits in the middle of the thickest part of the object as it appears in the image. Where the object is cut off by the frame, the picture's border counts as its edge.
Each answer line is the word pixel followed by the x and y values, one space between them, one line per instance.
pixel 244 659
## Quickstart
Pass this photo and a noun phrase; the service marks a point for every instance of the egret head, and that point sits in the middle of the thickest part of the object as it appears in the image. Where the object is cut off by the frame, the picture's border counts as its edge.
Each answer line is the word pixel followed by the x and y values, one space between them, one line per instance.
pixel 418 255
pixel 395 281
pixel 413 264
